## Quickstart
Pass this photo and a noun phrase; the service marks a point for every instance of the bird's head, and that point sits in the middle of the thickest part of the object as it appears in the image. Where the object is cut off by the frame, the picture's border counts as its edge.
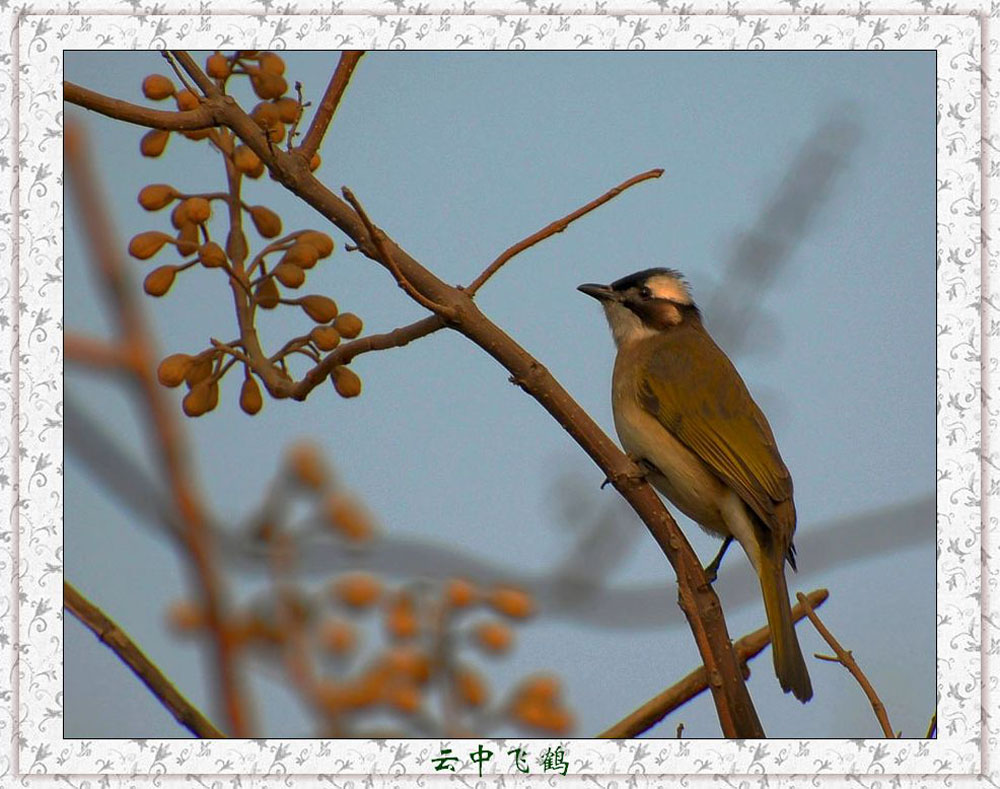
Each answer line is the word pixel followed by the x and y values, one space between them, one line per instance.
pixel 644 304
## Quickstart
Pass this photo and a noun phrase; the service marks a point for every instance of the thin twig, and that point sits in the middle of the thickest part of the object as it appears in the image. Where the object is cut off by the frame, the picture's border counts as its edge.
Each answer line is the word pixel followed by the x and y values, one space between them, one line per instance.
pixel 846 659
pixel 167 56
pixel 118 641
pixel 932 728
pixel 293 130
pixel 328 106
pixel 695 683
pixel 345 352
pixel 557 227
pixel 378 237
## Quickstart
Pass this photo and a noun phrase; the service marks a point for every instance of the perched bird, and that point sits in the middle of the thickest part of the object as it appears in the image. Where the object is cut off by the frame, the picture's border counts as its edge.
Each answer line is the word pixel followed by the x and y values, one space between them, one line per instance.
pixel 684 414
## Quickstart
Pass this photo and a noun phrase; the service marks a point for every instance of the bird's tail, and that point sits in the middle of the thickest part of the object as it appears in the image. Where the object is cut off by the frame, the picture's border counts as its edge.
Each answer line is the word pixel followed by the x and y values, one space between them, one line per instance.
pixel 789 664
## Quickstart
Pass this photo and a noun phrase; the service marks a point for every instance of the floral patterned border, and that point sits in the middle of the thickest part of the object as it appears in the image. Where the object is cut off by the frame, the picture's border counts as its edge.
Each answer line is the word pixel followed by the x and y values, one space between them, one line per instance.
pixel 30 323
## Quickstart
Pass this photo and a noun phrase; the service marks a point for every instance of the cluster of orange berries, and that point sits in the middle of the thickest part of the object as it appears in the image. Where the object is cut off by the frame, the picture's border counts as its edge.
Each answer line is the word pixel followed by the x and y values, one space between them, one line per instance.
pixel 264 278
pixel 273 114
pixel 400 676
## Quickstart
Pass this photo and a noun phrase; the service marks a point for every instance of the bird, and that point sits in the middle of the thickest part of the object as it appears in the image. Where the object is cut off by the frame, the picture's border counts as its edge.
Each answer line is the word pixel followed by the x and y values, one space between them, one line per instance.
pixel 684 414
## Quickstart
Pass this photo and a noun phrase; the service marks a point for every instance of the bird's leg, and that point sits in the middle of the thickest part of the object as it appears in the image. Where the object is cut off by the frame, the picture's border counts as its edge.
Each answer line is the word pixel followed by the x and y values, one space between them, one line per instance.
pixel 645 469
pixel 712 570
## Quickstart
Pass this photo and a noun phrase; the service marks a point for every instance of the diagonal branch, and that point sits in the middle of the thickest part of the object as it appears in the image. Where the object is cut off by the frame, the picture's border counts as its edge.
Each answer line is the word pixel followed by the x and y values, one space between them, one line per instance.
pixel 557 227
pixel 118 641
pixel 695 683
pixel 846 659
pixel 328 106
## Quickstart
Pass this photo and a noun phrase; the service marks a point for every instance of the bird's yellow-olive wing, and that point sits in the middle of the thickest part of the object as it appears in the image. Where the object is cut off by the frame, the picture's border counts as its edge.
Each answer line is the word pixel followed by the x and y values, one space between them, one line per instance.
pixel 690 385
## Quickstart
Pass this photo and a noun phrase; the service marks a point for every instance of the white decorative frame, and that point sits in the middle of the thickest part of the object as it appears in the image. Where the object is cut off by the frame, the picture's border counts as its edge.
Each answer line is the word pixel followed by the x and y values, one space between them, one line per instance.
pixel 31 297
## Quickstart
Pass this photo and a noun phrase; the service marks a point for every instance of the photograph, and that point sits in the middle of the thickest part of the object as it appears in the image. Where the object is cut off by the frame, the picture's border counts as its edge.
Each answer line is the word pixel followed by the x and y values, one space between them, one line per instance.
pixel 519 398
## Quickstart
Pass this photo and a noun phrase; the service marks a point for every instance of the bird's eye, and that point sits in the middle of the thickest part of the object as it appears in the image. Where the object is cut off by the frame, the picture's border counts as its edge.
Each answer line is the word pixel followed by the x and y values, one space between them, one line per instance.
pixel 645 292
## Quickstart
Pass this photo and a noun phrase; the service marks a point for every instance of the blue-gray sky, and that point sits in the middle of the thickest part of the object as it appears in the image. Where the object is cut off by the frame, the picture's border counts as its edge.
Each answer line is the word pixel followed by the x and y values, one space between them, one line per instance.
pixel 458 155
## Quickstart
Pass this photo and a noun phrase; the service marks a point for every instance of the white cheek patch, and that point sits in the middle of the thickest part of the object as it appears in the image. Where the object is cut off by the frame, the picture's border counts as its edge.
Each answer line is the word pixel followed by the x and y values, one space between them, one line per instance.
pixel 626 327
pixel 664 286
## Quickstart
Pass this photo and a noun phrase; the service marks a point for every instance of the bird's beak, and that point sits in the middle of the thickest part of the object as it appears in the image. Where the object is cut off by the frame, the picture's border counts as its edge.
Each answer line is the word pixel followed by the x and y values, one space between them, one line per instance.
pixel 599 292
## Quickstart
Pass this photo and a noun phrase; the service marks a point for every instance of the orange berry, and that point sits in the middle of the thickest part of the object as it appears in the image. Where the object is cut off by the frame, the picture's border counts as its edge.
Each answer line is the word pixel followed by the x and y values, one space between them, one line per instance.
pixel 306 466
pixel 302 255
pixel 266 114
pixel 144 245
pixel 250 399
pixel 539 687
pixel 157 87
pixel 154 143
pixel 345 380
pixel 268 86
pixel 275 132
pixel 203 397
pixel 472 688
pixel 512 602
pixel 319 308
pixel 407 662
pixel 198 370
pixel 173 368
pixel 288 109
pixel 345 515
pixel 315 162
pixel 217 66
pixel 357 590
pixel 326 338
pixel 211 255
pixel 321 241
pixel 266 294
pixel 198 210
pixel 156 196
pixel 246 161
pixel 401 617
pixel 159 280
pixel 460 593
pixel 267 222
pixel 493 636
pixel 271 63
pixel 348 324
pixel 197 134
pixel 186 100
pixel 289 275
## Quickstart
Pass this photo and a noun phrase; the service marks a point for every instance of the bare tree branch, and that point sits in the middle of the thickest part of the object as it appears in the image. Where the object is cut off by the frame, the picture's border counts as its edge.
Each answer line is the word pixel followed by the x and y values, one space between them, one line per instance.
pixel 846 659
pixel 557 227
pixel 109 633
pixel 328 106
pixel 187 120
